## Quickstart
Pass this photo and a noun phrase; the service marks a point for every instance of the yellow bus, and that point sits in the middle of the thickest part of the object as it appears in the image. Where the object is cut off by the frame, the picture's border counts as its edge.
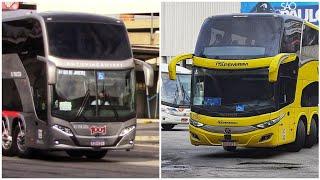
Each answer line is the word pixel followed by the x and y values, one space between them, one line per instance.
pixel 254 82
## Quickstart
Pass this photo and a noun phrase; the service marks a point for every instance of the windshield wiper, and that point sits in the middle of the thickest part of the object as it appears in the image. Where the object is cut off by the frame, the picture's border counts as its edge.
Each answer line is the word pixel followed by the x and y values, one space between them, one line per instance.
pixel 176 93
pixel 84 102
pixel 185 94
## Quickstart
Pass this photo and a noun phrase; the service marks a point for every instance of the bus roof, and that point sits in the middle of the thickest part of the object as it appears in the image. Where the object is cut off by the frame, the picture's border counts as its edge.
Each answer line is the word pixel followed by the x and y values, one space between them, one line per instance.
pixel 59 16
pixel 180 70
pixel 282 16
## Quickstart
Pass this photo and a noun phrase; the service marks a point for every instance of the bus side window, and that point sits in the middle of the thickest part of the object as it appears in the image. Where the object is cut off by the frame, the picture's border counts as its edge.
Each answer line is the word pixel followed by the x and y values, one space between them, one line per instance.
pixel 287 82
pixel 25 38
pixel 291 36
pixel 310 95
pixel 10 96
pixel 310 44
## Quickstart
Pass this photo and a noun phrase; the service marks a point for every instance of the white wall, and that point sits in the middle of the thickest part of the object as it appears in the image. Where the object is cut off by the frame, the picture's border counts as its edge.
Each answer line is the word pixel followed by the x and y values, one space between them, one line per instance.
pixel 181 22
pixel 99 6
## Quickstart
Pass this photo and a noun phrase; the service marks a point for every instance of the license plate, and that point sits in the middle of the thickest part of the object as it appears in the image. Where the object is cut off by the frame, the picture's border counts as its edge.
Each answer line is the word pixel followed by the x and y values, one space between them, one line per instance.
pixel 184 119
pixel 229 143
pixel 97 143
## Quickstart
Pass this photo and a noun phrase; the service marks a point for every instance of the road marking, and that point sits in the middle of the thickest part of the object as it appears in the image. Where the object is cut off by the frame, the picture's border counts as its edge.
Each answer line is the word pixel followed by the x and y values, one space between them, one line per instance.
pixel 147 145
pixel 154 163
pixel 147 138
pixel 147 121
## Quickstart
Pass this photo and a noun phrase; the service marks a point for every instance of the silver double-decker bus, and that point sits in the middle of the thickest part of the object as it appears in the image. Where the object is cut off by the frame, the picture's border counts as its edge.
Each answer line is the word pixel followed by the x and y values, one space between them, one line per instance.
pixel 68 84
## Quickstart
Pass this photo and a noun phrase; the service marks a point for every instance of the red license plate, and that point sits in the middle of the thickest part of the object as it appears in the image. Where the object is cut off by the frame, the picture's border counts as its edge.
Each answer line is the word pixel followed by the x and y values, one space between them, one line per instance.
pixel 184 119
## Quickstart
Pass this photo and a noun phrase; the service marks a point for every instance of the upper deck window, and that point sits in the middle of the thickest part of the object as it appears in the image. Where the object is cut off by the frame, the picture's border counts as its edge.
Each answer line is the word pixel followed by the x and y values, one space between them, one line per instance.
pixel 95 41
pixel 239 37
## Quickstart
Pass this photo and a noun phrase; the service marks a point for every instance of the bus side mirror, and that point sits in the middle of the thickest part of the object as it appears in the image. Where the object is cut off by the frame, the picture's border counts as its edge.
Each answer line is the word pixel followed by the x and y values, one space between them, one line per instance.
pixel 147 70
pixel 173 63
pixel 51 69
pixel 276 62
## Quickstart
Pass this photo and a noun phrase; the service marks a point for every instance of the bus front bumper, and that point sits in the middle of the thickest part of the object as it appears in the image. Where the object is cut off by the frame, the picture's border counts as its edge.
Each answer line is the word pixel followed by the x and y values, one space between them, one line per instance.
pixel 267 137
pixel 62 142
pixel 171 119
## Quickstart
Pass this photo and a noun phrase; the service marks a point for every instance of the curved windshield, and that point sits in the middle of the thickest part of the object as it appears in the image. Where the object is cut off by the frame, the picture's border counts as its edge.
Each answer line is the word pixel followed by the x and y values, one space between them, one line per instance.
pixel 92 95
pixel 75 40
pixel 226 93
pixel 239 37
pixel 176 93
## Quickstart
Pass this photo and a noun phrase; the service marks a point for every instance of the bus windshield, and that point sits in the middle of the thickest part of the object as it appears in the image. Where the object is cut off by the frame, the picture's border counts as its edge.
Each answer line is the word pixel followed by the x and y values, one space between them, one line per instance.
pixel 176 93
pixel 90 41
pixel 242 37
pixel 225 93
pixel 94 95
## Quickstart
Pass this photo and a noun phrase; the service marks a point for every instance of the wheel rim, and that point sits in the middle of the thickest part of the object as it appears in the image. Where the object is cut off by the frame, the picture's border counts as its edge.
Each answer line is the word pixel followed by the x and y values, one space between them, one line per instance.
pixel 6 138
pixel 21 139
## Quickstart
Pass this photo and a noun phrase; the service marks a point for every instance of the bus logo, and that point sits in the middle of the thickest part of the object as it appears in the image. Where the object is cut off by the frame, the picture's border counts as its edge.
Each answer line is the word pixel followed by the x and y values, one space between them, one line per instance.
pixel 227 131
pixel 231 64
pixel 98 130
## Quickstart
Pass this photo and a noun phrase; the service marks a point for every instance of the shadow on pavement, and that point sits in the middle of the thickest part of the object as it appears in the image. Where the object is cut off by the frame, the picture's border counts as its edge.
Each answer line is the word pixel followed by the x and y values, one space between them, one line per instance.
pixel 251 153
pixel 60 156
pixel 63 157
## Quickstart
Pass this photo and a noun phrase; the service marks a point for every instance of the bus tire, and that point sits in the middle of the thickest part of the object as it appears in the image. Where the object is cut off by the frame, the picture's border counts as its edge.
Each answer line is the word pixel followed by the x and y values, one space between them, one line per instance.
pixel 95 154
pixel 18 142
pixel 230 148
pixel 311 139
pixel 167 127
pixel 299 142
pixel 7 147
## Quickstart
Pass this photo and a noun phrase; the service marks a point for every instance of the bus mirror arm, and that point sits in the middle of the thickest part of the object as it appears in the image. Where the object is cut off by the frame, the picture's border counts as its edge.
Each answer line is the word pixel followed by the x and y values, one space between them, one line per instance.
pixel 173 63
pixel 51 69
pixel 275 64
pixel 147 70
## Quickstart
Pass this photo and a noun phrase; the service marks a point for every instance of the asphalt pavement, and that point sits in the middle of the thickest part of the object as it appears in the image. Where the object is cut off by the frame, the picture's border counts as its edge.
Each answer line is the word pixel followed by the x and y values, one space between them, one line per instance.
pixel 181 159
pixel 142 161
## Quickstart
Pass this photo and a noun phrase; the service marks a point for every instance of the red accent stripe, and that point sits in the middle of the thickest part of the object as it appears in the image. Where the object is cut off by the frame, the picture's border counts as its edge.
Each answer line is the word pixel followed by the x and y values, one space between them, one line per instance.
pixel 10 113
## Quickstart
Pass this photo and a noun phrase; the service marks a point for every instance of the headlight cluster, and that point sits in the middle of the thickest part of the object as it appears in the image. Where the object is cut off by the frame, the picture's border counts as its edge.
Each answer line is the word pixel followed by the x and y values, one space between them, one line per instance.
pixel 63 129
pixel 269 123
pixel 195 123
pixel 127 130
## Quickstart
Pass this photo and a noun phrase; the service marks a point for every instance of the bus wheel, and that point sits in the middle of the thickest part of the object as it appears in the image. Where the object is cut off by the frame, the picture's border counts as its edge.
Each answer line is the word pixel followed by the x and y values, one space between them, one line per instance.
pixel 297 145
pixel 230 148
pixel 19 141
pixel 312 138
pixel 7 148
pixel 74 153
pixel 167 127
pixel 95 154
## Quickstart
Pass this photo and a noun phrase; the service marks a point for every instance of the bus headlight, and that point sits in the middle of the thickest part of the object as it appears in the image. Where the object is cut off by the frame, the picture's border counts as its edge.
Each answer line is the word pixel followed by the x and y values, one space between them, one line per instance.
pixel 127 130
pixel 195 123
pixel 269 123
pixel 63 129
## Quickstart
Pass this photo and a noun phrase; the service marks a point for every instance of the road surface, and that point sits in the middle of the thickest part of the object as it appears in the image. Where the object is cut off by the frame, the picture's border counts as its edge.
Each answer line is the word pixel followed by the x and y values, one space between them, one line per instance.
pixel 181 159
pixel 143 161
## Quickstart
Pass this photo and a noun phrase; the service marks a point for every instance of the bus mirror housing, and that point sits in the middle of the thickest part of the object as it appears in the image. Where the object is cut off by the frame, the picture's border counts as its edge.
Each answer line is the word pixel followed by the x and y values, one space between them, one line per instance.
pixel 173 63
pixel 147 70
pixel 276 62
pixel 51 69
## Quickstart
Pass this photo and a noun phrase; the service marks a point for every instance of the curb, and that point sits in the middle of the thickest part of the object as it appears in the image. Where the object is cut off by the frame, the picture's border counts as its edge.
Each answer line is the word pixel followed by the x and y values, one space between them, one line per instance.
pixel 147 138
pixel 147 121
